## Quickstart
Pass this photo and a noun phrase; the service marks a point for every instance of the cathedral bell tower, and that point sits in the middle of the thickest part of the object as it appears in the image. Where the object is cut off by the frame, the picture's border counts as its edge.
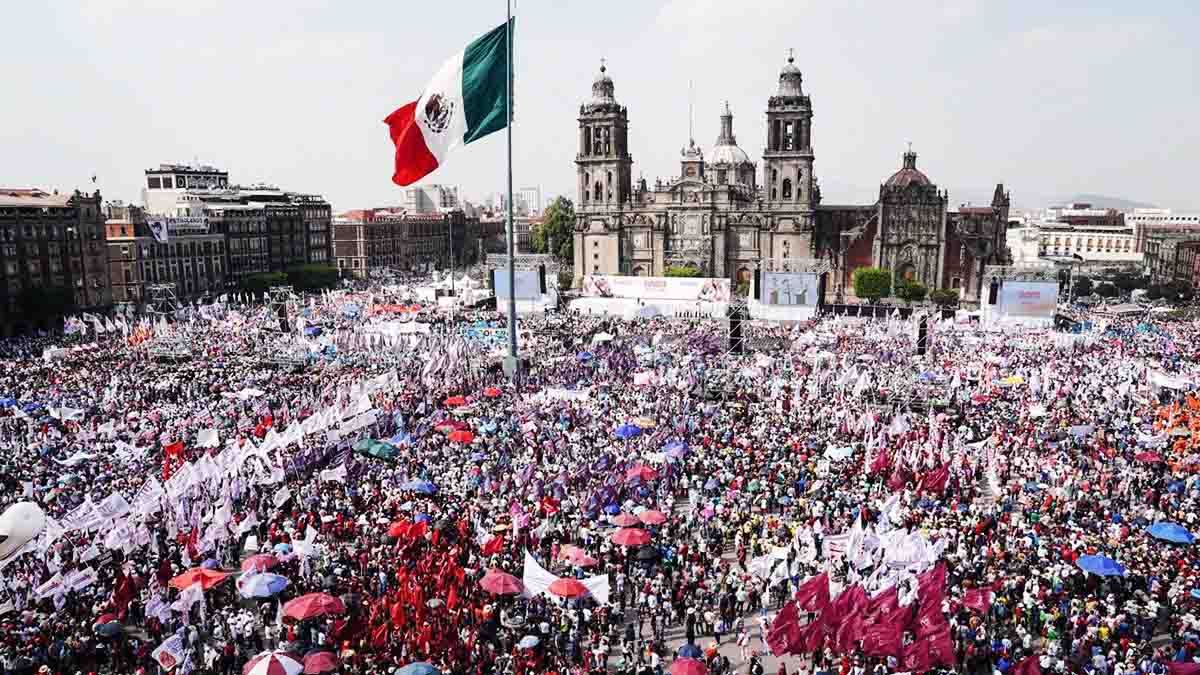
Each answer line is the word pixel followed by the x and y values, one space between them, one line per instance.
pixel 603 164
pixel 788 158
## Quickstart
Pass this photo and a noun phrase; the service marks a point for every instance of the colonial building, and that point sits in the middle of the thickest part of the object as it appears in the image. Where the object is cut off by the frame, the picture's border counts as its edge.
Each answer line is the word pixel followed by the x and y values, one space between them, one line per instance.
pixel 717 216
pixel 366 239
pixel 193 258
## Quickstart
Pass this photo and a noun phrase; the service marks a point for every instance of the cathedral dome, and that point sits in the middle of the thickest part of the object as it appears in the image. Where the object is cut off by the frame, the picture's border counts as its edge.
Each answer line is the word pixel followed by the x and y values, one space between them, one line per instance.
pixel 790 79
pixel 726 150
pixel 908 174
pixel 602 87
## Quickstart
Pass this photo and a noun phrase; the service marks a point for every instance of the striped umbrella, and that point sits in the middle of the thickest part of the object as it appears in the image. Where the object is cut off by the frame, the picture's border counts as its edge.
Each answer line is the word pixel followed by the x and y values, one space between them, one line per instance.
pixel 273 663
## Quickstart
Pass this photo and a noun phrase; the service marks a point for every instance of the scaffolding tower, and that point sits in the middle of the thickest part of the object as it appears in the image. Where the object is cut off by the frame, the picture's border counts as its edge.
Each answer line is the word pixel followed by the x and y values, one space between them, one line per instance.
pixel 161 301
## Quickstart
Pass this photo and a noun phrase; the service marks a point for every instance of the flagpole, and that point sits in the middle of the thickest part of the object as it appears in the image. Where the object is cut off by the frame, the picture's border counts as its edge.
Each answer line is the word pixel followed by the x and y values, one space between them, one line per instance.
pixel 512 364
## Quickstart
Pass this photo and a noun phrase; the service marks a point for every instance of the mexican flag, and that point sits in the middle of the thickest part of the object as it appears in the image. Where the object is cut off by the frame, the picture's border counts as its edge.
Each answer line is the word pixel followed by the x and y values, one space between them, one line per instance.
pixel 461 104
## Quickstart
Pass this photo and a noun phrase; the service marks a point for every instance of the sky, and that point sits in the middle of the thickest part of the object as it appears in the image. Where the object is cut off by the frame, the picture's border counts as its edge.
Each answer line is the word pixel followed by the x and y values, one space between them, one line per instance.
pixel 1052 99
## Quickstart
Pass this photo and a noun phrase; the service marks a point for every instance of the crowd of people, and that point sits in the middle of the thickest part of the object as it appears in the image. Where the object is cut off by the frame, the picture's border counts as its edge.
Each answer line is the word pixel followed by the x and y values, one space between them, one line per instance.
pixel 638 500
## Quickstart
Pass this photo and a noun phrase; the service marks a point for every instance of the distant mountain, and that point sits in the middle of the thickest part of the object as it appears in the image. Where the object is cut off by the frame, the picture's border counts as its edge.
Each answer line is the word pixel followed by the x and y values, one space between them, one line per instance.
pixel 1103 202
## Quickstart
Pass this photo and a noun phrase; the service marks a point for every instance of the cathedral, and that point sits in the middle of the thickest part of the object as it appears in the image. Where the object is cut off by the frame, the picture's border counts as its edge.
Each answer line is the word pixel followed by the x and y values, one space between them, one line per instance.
pixel 717 217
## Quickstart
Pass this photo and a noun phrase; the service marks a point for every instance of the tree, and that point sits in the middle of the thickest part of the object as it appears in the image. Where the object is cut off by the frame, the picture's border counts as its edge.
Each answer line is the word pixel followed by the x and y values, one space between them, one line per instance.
pixel 1180 291
pixel 1154 292
pixel 944 297
pixel 872 283
pixel 39 303
pixel 1129 283
pixel 261 282
pixel 1082 287
pixel 1107 290
pixel 681 271
pixel 556 233
pixel 911 291
pixel 312 277
pixel 743 289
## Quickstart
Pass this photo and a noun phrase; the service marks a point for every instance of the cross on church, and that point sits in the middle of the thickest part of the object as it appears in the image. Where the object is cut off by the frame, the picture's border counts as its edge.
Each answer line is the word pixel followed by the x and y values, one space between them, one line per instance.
pixel 602 63
pixel 790 57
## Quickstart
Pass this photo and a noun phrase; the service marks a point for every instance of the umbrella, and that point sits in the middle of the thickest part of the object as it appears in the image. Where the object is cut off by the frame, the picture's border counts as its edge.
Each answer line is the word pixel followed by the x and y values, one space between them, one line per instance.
pixel 260 562
pixel 422 486
pixel 584 356
pixel 492 392
pixel 261 585
pixel 688 666
pixel 498 582
pixel 647 553
pixel 652 517
pixel 210 564
pixel 580 559
pixel 206 578
pixel 419 668
pixel 568 588
pixel 273 663
pixel 645 423
pixel 631 536
pixel 455 401
pixel 398 529
pixel 378 449
pixel 283 547
pixel 320 662
pixel 313 604
pixel 641 472
pixel 1148 457
pixel 1101 566
pixel 529 642
pixel 627 431
pixel 107 625
pixel 689 651
pixel 711 484
pixel 461 437
pixel 626 520
pixel 1172 532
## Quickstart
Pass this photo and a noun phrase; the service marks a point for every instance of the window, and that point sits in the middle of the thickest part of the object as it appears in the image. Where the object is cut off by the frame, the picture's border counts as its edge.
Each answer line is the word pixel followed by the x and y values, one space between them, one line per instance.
pixel 154 182
pixel 722 177
pixel 788 131
pixel 787 188
pixel 955 283
pixel 166 182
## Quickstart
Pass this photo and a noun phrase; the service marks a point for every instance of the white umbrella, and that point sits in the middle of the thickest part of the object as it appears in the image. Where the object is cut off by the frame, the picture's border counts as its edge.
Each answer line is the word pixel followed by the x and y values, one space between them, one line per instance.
pixel 273 663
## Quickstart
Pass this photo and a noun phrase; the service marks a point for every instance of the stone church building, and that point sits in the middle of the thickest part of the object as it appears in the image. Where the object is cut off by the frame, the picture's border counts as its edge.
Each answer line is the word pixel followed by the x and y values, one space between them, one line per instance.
pixel 716 216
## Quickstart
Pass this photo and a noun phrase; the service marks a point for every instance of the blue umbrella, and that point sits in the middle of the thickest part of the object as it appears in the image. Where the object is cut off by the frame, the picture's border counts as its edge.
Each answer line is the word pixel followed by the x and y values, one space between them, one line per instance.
pixel 422 517
pixel 478 456
pixel 109 629
pixel 7 402
pixel 422 486
pixel 419 668
pixel 261 585
pixel 676 449
pixel 627 431
pixel 1101 566
pixel 585 356
pixel 1196 593
pixel 210 564
pixel 283 548
pixel 612 509
pixel 529 642
pixel 1172 532
pixel 711 484
pixel 690 651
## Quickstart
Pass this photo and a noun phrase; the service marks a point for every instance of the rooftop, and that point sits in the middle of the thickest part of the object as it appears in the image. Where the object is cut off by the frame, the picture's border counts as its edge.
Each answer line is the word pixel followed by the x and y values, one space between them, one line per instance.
pixel 31 197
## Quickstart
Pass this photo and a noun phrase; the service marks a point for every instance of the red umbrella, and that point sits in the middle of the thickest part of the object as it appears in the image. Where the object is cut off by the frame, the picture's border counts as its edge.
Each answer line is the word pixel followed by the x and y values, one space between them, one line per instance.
pixel 568 588
pixel 451 425
pixel 455 401
pixel 492 392
pixel 499 582
pixel 259 562
pixel 1148 457
pixel 273 663
pixel 461 436
pixel 641 471
pixel 207 578
pixel 688 667
pixel 626 520
pixel 631 536
pixel 105 618
pixel 652 517
pixel 398 529
pixel 313 604
pixel 578 558
pixel 320 662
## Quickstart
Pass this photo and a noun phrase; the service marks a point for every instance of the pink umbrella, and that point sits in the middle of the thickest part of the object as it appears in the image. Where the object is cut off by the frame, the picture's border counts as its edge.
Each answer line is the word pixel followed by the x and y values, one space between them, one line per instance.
pixel 499 582
pixel 688 667
pixel 1148 457
pixel 577 557
pixel 626 520
pixel 260 562
pixel 313 604
pixel 652 517
pixel 641 471
pixel 708 512
pixel 320 662
pixel 568 588
pixel 630 536
pixel 273 663
pixel 461 436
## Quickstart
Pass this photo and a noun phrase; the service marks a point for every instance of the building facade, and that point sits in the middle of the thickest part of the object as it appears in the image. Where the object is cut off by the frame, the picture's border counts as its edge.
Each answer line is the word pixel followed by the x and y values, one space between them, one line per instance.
pixel 192 259
pixel 1147 222
pixel 715 216
pixel 1173 257
pixel 50 241
pixel 430 198
pixel 368 239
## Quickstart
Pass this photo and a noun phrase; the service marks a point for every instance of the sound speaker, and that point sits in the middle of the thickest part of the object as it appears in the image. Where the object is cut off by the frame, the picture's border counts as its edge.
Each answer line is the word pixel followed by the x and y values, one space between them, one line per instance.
pixel 993 291
pixel 757 284
pixel 923 336
pixel 492 281
pixel 542 278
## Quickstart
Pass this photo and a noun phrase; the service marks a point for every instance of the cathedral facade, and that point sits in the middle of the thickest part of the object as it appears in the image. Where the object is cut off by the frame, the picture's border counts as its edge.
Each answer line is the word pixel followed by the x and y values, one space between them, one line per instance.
pixel 722 217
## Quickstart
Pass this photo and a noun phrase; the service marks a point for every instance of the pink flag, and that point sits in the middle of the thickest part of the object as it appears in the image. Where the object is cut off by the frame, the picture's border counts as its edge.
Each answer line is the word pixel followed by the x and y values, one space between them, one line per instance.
pixel 1030 665
pixel 813 594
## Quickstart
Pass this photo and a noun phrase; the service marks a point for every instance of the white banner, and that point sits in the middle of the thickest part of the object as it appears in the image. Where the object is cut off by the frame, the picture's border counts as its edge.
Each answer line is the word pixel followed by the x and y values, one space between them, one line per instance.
pixel 170 653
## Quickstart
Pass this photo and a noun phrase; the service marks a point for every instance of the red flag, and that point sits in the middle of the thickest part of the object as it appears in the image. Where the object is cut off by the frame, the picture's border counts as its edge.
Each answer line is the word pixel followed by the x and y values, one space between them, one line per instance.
pixel 916 657
pixel 850 601
pixel 882 461
pixel 884 603
pixel 1031 665
pixel 379 636
pixel 882 639
pixel 930 620
pixel 979 599
pixel 848 632
pixel 812 637
pixel 783 629
pixel 494 545
pixel 941 647
pixel 931 586
pixel 935 481
pixel 813 594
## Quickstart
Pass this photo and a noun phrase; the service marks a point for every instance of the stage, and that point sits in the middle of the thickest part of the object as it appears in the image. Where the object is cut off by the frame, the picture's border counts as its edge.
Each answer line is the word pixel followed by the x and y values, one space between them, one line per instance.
pixel 631 308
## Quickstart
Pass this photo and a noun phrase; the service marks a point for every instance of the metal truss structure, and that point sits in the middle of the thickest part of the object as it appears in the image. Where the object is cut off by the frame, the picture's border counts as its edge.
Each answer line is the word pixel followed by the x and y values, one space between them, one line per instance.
pixel 1036 272
pixel 170 347
pixel 795 265
pixel 525 261
pixel 277 301
pixel 161 300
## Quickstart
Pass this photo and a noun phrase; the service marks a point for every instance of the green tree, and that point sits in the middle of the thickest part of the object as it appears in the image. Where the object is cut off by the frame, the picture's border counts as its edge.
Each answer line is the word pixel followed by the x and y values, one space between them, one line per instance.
pixel 312 277
pixel 1180 291
pixel 944 297
pixel 1154 292
pixel 872 283
pixel 1107 290
pixel 911 291
pixel 1082 287
pixel 39 303
pixel 259 283
pixel 556 233
pixel 1129 282
pixel 681 271
pixel 743 288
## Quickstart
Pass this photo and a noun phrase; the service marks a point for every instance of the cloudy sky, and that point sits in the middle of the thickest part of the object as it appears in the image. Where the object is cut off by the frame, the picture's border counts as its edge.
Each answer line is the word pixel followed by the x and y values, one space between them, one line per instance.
pixel 1052 98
